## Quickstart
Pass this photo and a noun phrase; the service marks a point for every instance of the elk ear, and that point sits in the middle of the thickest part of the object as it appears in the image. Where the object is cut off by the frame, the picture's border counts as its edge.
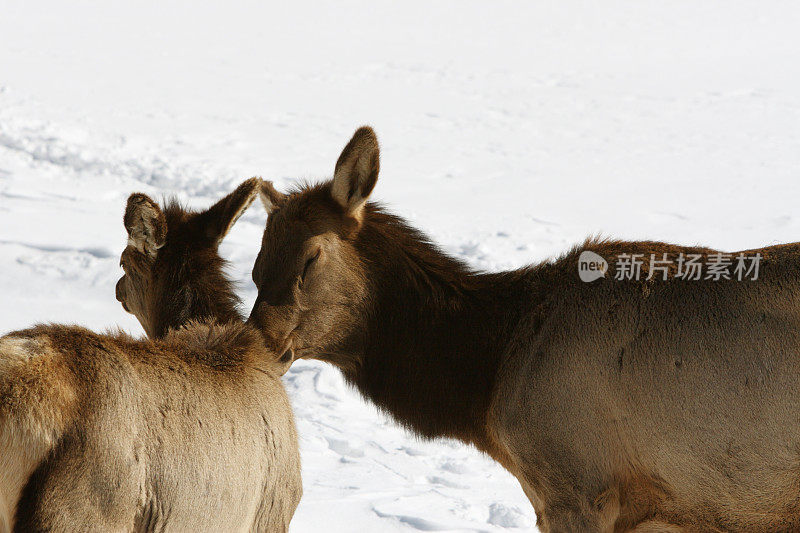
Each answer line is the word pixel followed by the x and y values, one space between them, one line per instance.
pixel 220 217
pixel 146 224
pixel 356 171
pixel 270 196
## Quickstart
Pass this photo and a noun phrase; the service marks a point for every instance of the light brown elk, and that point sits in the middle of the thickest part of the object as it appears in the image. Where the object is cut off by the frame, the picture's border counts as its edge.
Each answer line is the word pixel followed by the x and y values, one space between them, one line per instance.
pixel 189 432
pixel 636 405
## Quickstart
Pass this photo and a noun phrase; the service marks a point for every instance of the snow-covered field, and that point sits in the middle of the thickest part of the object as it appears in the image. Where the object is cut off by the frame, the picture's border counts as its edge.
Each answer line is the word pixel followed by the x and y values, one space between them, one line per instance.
pixel 509 132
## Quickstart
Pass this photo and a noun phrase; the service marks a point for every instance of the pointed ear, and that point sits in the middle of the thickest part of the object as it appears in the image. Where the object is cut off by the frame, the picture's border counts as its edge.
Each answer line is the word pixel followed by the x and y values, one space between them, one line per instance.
pixel 270 196
pixel 220 217
pixel 146 224
pixel 356 171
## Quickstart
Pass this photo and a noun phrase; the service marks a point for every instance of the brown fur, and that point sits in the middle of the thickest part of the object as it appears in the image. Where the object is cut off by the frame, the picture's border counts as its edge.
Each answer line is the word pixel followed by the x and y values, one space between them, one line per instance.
pixel 192 431
pixel 185 278
pixel 652 405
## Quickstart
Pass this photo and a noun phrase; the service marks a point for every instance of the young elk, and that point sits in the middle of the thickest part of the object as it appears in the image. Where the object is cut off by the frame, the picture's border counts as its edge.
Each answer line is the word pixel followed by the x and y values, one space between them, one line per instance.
pixel 640 405
pixel 189 432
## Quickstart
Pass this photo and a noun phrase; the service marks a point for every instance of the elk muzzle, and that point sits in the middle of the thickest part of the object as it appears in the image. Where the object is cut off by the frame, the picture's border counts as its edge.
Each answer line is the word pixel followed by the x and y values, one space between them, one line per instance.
pixel 120 291
pixel 276 324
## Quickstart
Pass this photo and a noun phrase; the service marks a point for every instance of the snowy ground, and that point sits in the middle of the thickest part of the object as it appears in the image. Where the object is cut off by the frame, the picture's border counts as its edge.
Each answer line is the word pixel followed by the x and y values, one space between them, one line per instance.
pixel 509 132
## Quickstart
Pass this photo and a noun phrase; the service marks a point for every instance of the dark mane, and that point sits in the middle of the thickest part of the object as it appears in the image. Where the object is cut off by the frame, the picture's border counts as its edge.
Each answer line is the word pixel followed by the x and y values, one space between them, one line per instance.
pixel 420 261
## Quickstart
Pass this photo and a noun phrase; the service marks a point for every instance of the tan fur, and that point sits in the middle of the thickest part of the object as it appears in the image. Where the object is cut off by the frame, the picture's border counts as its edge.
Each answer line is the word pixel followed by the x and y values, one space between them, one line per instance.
pixel 189 432
pixel 650 405
pixel 29 427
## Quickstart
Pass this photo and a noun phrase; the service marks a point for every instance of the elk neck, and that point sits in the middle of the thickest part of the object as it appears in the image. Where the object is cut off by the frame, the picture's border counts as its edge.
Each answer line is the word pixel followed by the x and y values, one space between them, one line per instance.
pixel 434 332
pixel 208 295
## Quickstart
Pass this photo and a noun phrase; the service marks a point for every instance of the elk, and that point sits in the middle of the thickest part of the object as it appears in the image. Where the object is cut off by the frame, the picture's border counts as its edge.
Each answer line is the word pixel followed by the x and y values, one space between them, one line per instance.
pixel 188 431
pixel 620 405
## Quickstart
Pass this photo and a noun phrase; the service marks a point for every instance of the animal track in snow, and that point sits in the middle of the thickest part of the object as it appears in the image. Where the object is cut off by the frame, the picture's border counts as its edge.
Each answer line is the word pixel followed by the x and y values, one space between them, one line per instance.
pixel 345 448
pixel 455 467
pixel 439 480
pixel 416 522
pixel 512 517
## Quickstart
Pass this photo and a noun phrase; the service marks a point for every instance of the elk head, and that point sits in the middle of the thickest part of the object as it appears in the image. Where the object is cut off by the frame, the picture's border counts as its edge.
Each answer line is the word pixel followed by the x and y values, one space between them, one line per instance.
pixel 311 278
pixel 173 272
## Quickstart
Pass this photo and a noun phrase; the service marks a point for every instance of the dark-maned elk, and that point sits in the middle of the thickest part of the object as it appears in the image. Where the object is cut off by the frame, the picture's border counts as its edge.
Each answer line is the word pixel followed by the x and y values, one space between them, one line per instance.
pixel 637 405
pixel 189 432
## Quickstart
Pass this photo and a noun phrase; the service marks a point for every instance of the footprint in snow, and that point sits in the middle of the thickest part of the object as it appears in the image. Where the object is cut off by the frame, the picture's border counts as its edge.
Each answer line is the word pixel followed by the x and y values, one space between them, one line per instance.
pixel 416 522
pixel 344 448
pixel 455 468
pixel 444 482
pixel 502 516
pixel 413 451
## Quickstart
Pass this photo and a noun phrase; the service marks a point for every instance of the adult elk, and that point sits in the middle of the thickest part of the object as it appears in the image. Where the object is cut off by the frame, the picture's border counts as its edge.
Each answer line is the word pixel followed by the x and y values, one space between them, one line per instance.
pixel 637 405
pixel 189 432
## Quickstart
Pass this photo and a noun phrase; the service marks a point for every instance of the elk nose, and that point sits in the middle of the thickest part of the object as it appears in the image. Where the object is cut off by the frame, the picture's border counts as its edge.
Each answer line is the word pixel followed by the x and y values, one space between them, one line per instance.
pixel 119 290
pixel 120 296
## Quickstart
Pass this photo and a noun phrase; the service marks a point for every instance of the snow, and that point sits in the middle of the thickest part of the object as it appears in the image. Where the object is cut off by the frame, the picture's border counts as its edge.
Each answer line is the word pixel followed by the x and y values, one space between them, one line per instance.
pixel 510 131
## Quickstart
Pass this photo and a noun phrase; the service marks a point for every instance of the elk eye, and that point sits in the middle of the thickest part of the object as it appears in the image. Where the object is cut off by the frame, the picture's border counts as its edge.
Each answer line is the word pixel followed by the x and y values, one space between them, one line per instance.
pixel 309 262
